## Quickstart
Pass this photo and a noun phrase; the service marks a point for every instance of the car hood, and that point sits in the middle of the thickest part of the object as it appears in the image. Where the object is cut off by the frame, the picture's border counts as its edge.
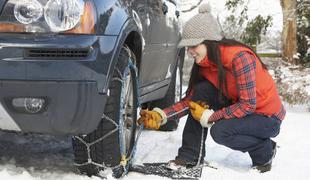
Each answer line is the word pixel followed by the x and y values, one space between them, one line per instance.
pixel 2 2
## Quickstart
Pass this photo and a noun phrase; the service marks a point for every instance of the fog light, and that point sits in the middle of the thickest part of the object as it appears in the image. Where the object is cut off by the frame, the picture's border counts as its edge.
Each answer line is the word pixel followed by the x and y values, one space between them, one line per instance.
pixel 29 105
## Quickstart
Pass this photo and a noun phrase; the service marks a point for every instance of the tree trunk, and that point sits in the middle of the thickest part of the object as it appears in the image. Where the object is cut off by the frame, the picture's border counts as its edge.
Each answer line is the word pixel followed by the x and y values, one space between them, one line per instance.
pixel 289 32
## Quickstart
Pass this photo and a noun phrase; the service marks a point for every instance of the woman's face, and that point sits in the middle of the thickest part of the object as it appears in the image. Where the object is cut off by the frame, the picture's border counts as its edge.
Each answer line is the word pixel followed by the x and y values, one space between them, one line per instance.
pixel 198 52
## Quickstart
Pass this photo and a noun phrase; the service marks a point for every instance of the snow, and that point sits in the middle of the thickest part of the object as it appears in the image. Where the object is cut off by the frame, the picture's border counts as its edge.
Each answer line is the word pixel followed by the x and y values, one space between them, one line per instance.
pixel 41 157
pixel 296 78
pixel 291 161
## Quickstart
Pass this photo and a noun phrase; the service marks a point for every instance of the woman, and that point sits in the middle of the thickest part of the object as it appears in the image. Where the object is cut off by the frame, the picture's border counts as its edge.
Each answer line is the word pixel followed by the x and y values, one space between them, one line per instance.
pixel 244 106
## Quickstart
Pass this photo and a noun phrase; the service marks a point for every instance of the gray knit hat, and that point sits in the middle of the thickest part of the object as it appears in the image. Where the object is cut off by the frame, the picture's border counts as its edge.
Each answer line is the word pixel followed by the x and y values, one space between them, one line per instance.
pixel 202 26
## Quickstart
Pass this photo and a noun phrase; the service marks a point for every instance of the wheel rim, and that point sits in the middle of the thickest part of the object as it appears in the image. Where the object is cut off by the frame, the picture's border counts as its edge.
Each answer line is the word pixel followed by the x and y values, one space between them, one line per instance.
pixel 128 114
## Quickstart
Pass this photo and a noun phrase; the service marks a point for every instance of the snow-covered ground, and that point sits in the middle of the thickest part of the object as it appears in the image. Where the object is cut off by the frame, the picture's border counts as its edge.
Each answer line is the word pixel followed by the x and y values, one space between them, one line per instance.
pixel 38 157
pixel 291 161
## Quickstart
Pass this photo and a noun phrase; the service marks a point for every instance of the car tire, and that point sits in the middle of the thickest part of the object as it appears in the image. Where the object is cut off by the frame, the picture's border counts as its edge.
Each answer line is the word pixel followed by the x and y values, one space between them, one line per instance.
pixel 111 144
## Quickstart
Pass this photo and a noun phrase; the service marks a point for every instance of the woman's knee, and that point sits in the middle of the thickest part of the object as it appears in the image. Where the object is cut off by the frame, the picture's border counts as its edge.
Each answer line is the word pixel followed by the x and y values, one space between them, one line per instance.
pixel 206 91
pixel 217 133
pixel 203 91
pixel 204 86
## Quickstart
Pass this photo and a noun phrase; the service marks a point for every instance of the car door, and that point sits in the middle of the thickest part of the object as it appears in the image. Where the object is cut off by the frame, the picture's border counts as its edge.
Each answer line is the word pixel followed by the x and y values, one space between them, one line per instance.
pixel 154 63
pixel 173 35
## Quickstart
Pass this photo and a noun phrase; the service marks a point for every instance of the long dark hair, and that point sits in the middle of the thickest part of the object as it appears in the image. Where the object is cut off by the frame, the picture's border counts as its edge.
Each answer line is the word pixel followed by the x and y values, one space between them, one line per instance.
pixel 214 55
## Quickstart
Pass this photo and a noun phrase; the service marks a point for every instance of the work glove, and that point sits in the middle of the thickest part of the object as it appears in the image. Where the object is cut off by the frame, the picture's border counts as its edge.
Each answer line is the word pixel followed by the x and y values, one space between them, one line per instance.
pixel 201 113
pixel 152 119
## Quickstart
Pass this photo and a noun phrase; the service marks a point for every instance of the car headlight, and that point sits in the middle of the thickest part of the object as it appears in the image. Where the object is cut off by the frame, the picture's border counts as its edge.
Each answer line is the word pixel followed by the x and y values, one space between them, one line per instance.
pixel 28 11
pixel 40 16
pixel 62 15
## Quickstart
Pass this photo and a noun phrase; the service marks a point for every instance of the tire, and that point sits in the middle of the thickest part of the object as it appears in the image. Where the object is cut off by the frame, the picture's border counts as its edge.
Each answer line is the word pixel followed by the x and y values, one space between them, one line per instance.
pixel 173 95
pixel 93 152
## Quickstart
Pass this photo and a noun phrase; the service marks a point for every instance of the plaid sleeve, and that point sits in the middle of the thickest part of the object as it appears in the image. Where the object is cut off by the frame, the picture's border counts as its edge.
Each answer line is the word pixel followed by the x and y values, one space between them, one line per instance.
pixel 244 70
pixel 179 109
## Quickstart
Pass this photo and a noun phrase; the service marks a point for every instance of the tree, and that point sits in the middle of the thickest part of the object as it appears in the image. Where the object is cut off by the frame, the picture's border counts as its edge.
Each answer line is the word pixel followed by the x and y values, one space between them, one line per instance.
pixel 273 42
pixel 238 25
pixel 303 32
pixel 254 29
pixel 289 32
pixel 193 6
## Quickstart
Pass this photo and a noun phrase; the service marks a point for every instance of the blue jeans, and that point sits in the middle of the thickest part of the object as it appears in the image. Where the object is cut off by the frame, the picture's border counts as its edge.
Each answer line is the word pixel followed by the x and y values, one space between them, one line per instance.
pixel 247 134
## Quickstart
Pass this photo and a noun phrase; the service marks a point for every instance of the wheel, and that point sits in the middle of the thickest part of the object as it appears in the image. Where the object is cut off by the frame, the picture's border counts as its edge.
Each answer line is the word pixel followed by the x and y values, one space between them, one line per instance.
pixel 173 95
pixel 111 144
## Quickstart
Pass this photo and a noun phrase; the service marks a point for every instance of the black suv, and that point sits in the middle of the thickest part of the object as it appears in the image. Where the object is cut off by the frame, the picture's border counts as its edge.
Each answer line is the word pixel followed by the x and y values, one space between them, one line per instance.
pixel 83 67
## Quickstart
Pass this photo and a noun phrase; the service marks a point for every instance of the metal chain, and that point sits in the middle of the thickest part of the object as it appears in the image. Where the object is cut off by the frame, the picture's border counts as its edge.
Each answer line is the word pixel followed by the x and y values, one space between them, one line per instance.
pixel 201 146
pixel 88 145
pixel 124 161
pixel 130 158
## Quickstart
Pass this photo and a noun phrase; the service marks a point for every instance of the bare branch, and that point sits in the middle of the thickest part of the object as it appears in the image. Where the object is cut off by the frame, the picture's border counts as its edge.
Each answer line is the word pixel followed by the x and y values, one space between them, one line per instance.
pixel 192 8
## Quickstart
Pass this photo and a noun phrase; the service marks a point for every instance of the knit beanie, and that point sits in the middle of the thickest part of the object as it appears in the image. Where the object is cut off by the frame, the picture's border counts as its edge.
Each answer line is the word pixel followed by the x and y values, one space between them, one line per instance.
pixel 202 26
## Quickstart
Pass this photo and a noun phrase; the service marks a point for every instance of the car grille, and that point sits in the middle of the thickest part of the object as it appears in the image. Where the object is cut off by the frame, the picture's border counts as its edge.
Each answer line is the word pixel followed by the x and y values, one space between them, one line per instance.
pixel 71 54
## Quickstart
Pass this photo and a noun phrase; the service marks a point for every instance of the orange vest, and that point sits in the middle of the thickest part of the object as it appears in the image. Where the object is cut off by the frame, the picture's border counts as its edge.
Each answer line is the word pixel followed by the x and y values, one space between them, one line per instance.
pixel 267 99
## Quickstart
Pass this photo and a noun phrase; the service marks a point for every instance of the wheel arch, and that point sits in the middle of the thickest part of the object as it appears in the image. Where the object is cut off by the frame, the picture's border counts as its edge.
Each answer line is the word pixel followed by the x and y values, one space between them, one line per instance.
pixel 134 42
pixel 131 36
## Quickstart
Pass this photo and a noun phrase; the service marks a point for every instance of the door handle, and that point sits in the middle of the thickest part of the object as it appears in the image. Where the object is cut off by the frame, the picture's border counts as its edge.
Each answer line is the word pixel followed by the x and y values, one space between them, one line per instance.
pixel 165 8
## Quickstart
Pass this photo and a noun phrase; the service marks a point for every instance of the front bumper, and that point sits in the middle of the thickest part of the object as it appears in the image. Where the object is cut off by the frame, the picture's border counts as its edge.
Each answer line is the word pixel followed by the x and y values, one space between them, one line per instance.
pixel 57 58
pixel 70 71
pixel 71 107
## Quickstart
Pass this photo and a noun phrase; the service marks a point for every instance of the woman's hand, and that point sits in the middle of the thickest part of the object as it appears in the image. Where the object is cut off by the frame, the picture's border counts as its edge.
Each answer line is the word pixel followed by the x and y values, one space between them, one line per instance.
pixel 150 119
pixel 201 113
pixel 197 108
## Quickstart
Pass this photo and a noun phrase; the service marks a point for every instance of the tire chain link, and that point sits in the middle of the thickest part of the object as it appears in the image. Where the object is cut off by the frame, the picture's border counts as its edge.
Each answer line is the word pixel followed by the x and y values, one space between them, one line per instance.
pixel 88 145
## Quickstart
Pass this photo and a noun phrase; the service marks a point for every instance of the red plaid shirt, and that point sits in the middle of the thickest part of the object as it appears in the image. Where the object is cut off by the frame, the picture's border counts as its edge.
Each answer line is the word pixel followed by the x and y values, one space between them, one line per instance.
pixel 244 67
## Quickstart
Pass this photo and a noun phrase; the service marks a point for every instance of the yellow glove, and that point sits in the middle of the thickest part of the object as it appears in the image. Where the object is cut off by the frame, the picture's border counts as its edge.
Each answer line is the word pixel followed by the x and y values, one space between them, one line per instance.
pixel 197 109
pixel 201 113
pixel 152 119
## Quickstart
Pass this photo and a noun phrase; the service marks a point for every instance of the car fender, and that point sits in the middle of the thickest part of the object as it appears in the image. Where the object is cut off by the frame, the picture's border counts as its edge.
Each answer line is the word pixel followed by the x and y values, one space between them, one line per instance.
pixel 116 19
pixel 130 26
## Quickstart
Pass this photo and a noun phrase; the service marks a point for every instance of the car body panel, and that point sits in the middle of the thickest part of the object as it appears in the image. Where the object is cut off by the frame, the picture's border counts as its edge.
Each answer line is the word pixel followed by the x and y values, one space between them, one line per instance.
pixel 73 71
pixel 72 107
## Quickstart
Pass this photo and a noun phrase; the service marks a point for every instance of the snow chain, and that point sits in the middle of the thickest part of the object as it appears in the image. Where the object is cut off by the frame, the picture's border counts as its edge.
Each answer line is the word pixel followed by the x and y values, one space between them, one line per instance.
pixel 88 145
pixel 125 161
pixel 201 147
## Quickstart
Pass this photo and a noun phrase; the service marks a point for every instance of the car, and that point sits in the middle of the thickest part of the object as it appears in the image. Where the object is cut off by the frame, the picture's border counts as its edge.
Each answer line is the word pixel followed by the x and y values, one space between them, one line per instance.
pixel 83 68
